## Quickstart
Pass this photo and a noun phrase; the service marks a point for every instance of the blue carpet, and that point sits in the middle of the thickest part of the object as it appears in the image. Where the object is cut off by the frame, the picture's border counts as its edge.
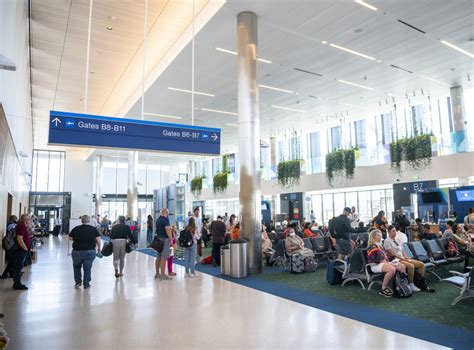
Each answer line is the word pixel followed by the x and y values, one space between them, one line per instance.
pixel 441 334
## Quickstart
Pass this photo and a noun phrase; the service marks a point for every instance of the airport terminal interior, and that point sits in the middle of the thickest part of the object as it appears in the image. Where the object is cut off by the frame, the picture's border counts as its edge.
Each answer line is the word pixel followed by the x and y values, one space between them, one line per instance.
pixel 236 174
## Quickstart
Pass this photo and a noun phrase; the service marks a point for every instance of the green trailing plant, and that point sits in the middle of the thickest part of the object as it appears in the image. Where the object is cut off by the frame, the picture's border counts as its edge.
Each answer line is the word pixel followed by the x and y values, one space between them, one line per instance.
pixel 219 183
pixel 196 185
pixel 415 150
pixel 340 163
pixel 289 172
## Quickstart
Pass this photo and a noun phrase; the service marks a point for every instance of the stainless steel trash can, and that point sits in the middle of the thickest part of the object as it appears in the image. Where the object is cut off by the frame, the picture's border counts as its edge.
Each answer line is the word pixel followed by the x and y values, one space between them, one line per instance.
pixel 225 260
pixel 238 258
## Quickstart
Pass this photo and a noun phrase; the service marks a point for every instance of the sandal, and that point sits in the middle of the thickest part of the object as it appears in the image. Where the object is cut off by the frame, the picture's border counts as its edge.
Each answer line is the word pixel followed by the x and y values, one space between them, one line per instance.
pixel 386 292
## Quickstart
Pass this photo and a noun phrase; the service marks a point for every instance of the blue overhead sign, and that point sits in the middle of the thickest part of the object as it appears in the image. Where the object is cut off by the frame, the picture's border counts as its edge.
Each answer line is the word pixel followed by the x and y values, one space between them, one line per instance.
pixel 97 131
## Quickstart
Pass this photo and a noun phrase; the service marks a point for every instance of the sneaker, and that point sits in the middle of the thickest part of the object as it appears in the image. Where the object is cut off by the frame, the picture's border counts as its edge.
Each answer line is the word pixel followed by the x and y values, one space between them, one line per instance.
pixel 157 276
pixel 117 275
pixel 387 293
pixel 165 278
pixel 87 285
pixel 22 287
pixel 186 275
pixel 171 273
pixel 194 275
pixel 77 285
pixel 414 288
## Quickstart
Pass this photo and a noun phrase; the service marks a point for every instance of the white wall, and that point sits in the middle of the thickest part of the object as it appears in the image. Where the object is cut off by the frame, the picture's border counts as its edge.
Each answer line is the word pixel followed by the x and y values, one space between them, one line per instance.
pixel 443 167
pixel 79 180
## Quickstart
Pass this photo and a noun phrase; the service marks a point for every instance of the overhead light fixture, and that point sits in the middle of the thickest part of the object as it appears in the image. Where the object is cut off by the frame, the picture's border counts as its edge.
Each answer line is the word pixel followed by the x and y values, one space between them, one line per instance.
pixel 361 2
pixel 109 27
pixel 289 109
pixel 379 61
pixel 352 52
pixel 190 92
pixel 163 115
pixel 457 48
pixel 434 80
pixel 218 111
pixel 324 42
pixel 230 124
pixel 354 84
pixel 274 88
pixel 235 53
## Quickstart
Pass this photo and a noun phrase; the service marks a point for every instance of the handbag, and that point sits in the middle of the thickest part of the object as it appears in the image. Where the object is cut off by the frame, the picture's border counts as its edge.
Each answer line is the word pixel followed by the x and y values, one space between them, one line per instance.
pixel 157 244
pixel 128 247
pixel 107 249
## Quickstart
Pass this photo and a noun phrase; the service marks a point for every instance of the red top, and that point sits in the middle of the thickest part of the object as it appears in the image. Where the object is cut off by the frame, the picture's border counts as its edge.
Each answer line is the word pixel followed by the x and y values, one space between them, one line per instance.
pixel 22 231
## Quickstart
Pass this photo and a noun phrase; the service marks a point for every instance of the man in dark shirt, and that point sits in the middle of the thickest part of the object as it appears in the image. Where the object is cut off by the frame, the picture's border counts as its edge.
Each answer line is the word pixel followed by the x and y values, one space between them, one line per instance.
pixel 85 238
pixel 426 233
pixel 401 220
pixel 340 229
pixel 218 231
pixel 163 231
pixel 23 240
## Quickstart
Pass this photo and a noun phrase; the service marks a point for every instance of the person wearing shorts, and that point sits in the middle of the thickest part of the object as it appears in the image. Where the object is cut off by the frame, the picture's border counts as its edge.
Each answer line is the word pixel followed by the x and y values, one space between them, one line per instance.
pixel 163 231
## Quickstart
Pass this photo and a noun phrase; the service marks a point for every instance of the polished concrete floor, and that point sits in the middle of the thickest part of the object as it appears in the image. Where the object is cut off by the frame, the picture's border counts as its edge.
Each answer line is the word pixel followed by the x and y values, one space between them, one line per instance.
pixel 138 312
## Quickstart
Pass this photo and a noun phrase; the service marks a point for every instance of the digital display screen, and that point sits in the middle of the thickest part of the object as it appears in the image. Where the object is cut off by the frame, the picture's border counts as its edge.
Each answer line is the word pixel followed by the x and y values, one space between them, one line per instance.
pixel 465 195
pixel 431 197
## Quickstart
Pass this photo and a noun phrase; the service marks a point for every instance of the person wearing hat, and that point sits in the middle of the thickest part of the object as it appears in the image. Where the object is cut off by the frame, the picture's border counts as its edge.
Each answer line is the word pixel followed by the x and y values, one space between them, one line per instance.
pixel 341 230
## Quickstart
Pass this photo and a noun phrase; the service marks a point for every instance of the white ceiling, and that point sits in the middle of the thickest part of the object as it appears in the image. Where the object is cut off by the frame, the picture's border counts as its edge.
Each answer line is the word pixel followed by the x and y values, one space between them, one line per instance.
pixel 290 34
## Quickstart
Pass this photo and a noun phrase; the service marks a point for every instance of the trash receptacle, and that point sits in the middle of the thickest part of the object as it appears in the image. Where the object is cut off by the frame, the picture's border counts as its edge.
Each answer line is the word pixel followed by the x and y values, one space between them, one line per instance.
pixel 225 260
pixel 238 258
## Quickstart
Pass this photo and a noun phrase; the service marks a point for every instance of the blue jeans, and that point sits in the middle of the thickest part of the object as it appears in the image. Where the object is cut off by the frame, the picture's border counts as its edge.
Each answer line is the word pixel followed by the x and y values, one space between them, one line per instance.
pixel 82 259
pixel 190 258
pixel 149 235
pixel 18 261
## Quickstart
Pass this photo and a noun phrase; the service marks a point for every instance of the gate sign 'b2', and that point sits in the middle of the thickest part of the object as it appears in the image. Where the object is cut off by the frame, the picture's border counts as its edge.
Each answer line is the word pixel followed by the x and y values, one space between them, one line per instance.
pixel 73 129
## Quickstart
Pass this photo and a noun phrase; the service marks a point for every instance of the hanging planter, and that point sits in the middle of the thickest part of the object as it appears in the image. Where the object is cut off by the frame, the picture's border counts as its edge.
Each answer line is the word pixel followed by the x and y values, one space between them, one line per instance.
pixel 219 183
pixel 196 185
pixel 289 172
pixel 415 150
pixel 340 163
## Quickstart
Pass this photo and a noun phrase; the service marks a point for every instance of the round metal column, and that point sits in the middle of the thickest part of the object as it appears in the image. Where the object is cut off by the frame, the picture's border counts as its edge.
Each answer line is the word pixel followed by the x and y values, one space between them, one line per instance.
pixel 132 193
pixel 249 137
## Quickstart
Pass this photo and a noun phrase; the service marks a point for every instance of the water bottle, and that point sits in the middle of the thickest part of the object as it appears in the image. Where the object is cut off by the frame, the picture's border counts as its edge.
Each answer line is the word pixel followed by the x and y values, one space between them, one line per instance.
pixel 171 251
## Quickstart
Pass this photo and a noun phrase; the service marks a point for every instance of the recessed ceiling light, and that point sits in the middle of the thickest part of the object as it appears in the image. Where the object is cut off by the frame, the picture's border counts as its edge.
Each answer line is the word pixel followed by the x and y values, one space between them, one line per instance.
pixel 113 18
pixel 274 88
pixel 163 115
pixel 434 80
pixel 109 27
pixel 354 84
pixel 352 52
pixel 289 109
pixel 235 53
pixel 457 48
pixel 361 2
pixel 218 111
pixel 190 92
pixel 379 61
pixel 324 42
pixel 230 124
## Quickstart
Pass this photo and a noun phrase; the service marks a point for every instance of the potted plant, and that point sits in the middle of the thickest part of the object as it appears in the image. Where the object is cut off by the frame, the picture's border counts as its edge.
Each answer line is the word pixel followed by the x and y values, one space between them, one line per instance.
pixel 196 185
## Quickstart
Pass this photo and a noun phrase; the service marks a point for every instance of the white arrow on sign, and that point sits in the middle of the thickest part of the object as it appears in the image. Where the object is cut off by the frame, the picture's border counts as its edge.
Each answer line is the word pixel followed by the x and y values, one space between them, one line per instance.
pixel 215 137
pixel 56 121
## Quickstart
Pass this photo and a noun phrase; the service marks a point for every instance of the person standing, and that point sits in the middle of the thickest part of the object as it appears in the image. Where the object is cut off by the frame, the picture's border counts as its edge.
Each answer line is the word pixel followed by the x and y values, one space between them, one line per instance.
pixel 170 259
pixel 198 222
pixel 190 252
pixel 402 220
pixel 10 253
pixel 312 217
pixel 23 241
pixel 120 234
pixel 354 218
pixel 84 239
pixel 149 229
pixel 218 231
pixel 230 224
pixel 164 232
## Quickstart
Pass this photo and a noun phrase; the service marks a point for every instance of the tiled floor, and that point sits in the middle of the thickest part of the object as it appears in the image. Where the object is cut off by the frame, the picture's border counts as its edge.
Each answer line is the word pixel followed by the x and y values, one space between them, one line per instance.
pixel 138 312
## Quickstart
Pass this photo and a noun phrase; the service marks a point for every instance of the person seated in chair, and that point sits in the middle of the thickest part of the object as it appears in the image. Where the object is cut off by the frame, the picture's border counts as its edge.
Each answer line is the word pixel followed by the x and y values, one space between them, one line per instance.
pixel 393 246
pixel 427 234
pixel 294 244
pixel 308 232
pixel 267 249
pixel 379 262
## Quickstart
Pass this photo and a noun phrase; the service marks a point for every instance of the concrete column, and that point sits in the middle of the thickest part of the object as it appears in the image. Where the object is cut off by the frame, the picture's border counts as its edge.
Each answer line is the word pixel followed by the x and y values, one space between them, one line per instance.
pixel 459 136
pixel 132 193
pixel 249 137
pixel 98 185
pixel 273 154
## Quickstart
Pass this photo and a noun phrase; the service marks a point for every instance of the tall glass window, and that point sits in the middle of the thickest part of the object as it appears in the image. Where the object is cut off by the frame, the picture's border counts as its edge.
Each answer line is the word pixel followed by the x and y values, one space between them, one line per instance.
pixel 335 138
pixel 359 126
pixel 48 171
pixel 314 150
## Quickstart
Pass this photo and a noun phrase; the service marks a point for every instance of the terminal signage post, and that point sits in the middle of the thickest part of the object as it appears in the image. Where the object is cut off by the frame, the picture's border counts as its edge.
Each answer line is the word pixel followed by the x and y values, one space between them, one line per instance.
pixel 97 131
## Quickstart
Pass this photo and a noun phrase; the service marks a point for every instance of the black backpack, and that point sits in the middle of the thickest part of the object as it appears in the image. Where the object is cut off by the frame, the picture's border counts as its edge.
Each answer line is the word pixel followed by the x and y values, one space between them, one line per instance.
pixel 401 286
pixel 185 239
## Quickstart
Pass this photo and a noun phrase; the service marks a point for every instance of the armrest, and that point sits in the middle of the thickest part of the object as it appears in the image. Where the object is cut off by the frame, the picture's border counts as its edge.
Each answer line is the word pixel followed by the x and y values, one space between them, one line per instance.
pixel 343 263
pixel 456 273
